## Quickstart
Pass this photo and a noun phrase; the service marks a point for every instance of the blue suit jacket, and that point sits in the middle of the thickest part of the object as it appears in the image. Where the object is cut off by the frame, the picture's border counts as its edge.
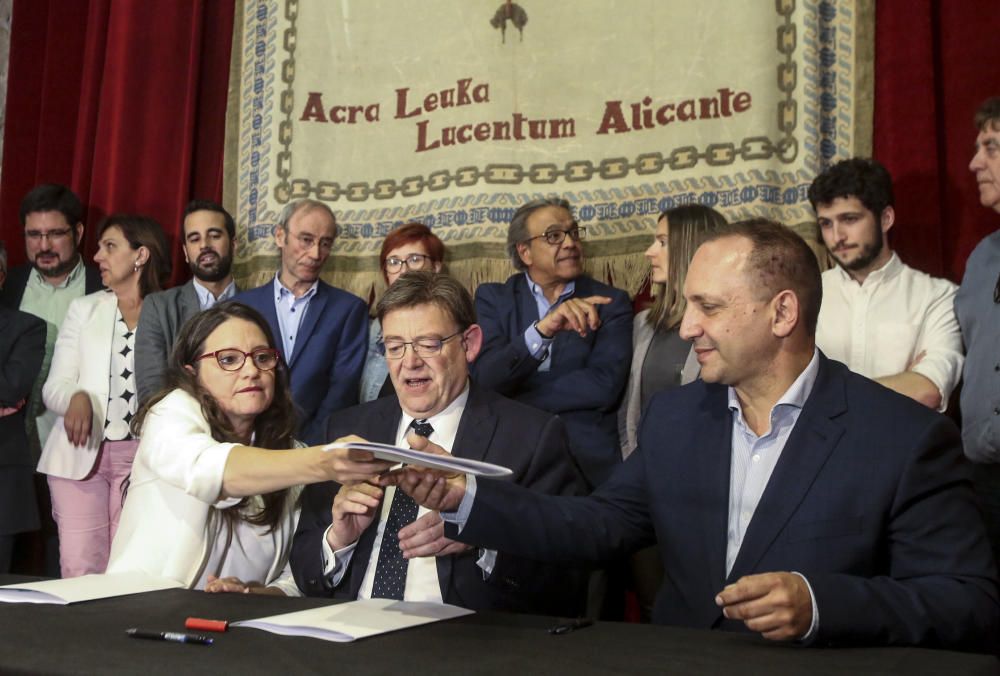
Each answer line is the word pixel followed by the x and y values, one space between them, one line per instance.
pixel 870 501
pixel 587 375
pixel 329 353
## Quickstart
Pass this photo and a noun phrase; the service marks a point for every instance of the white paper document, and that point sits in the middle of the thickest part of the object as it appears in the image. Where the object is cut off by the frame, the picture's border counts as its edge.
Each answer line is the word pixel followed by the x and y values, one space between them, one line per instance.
pixel 85 588
pixel 409 456
pixel 346 622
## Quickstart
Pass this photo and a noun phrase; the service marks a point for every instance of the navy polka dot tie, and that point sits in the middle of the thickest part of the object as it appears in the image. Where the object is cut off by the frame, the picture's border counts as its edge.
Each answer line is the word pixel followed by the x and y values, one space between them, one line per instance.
pixel 390 570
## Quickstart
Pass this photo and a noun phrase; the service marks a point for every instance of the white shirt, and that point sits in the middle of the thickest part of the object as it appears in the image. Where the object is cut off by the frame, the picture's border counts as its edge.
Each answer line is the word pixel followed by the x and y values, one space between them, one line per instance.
pixel 422 582
pixel 878 328
pixel 250 550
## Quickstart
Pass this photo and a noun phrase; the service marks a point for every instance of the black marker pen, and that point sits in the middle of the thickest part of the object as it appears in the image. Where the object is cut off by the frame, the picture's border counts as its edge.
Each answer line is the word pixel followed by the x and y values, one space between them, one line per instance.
pixel 173 636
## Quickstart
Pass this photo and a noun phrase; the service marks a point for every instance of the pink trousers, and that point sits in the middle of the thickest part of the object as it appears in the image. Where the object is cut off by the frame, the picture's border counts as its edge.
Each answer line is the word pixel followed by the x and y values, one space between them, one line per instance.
pixel 87 510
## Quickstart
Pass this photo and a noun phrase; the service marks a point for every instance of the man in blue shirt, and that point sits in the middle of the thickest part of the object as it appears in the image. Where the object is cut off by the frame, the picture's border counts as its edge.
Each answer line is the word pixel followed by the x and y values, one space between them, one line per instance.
pixel 322 330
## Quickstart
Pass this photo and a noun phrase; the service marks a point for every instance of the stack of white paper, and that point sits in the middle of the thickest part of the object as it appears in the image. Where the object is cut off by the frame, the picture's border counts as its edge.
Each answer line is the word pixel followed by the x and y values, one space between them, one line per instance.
pixel 85 588
pixel 346 622
pixel 410 456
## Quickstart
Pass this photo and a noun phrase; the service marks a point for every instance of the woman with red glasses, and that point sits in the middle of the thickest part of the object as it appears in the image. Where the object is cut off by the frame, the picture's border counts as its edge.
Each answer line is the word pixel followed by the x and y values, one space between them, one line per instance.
pixel 212 501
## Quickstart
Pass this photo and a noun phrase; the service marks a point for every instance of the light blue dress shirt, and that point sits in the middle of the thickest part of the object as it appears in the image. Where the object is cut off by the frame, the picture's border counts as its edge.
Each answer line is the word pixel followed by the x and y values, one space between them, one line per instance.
pixel 754 459
pixel 290 311
pixel 539 347
pixel 207 300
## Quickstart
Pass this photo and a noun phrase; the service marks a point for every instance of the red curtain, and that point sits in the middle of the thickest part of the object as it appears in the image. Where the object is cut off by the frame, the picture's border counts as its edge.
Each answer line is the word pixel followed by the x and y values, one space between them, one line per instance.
pixel 124 101
pixel 935 62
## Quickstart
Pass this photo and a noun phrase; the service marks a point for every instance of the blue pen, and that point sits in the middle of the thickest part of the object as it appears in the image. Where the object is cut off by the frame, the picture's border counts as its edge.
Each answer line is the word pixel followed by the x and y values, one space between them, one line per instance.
pixel 172 636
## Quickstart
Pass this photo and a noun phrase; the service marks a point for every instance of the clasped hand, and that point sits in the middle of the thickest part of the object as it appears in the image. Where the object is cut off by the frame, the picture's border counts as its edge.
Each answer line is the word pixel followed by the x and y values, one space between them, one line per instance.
pixel 776 605
pixel 431 488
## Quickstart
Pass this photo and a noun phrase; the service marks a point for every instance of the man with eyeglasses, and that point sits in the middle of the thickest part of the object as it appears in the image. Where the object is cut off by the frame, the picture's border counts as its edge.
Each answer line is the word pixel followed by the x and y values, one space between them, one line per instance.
pixel 555 338
pixel 348 541
pixel 323 329
pixel 978 308
pixel 209 242
pixel 54 276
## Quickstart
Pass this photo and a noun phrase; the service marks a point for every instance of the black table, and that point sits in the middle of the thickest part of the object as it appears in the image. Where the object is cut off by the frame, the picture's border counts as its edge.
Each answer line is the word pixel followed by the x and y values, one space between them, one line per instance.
pixel 89 637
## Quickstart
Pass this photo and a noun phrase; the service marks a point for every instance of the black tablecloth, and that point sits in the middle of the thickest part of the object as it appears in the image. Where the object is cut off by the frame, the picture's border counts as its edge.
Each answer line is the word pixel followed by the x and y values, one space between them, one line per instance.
pixel 89 637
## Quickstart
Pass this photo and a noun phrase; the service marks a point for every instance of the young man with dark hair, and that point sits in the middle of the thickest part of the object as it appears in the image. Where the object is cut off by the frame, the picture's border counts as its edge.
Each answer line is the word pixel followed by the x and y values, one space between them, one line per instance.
pixel 882 318
pixel 209 242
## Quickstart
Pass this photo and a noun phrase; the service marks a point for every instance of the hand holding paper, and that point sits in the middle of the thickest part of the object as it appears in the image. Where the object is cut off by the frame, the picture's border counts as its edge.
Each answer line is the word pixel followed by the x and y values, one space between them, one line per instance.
pixel 422 454
pixel 432 488
pixel 345 463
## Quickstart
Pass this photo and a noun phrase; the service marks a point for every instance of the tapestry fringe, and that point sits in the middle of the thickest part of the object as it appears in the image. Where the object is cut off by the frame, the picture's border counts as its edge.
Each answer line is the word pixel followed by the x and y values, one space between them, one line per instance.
pixel 625 271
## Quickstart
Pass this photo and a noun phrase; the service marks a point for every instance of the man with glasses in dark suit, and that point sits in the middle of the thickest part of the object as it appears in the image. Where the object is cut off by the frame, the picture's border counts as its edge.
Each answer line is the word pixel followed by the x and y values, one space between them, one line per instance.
pixel 348 541
pixel 555 338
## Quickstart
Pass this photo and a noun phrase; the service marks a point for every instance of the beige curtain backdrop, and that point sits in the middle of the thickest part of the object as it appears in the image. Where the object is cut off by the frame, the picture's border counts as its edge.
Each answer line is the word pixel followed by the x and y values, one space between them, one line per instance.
pixel 455 112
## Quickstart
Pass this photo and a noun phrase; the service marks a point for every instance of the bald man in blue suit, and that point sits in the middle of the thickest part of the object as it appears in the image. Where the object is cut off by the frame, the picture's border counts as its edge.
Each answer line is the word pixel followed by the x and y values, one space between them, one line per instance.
pixel 789 497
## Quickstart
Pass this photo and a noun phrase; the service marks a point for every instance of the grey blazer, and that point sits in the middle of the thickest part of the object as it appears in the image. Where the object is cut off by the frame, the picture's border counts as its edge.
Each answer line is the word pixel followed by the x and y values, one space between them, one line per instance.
pixel 163 314
pixel 631 407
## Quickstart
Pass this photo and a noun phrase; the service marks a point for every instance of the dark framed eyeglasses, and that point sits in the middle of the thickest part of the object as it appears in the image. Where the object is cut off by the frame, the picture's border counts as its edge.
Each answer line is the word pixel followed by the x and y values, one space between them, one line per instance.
pixel 232 359
pixel 51 235
pixel 557 237
pixel 423 347
pixel 413 261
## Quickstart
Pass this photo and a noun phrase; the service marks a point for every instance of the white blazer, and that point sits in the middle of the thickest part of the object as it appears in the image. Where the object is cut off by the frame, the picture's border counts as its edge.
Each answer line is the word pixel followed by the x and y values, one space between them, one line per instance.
pixel 175 484
pixel 81 361
pixel 630 409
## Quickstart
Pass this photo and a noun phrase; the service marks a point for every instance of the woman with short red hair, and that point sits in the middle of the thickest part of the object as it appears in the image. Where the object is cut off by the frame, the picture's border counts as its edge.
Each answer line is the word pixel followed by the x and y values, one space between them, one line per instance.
pixel 409 247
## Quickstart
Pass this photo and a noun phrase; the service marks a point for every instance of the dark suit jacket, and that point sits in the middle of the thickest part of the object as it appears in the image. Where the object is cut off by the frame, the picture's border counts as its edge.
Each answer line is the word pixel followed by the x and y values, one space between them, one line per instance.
pixel 494 429
pixel 587 375
pixel 163 314
pixel 870 501
pixel 329 352
pixel 22 347
pixel 17 279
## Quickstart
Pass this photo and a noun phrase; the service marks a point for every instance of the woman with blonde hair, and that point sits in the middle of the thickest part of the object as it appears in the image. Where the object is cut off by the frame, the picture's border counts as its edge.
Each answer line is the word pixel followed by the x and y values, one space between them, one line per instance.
pixel 661 359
